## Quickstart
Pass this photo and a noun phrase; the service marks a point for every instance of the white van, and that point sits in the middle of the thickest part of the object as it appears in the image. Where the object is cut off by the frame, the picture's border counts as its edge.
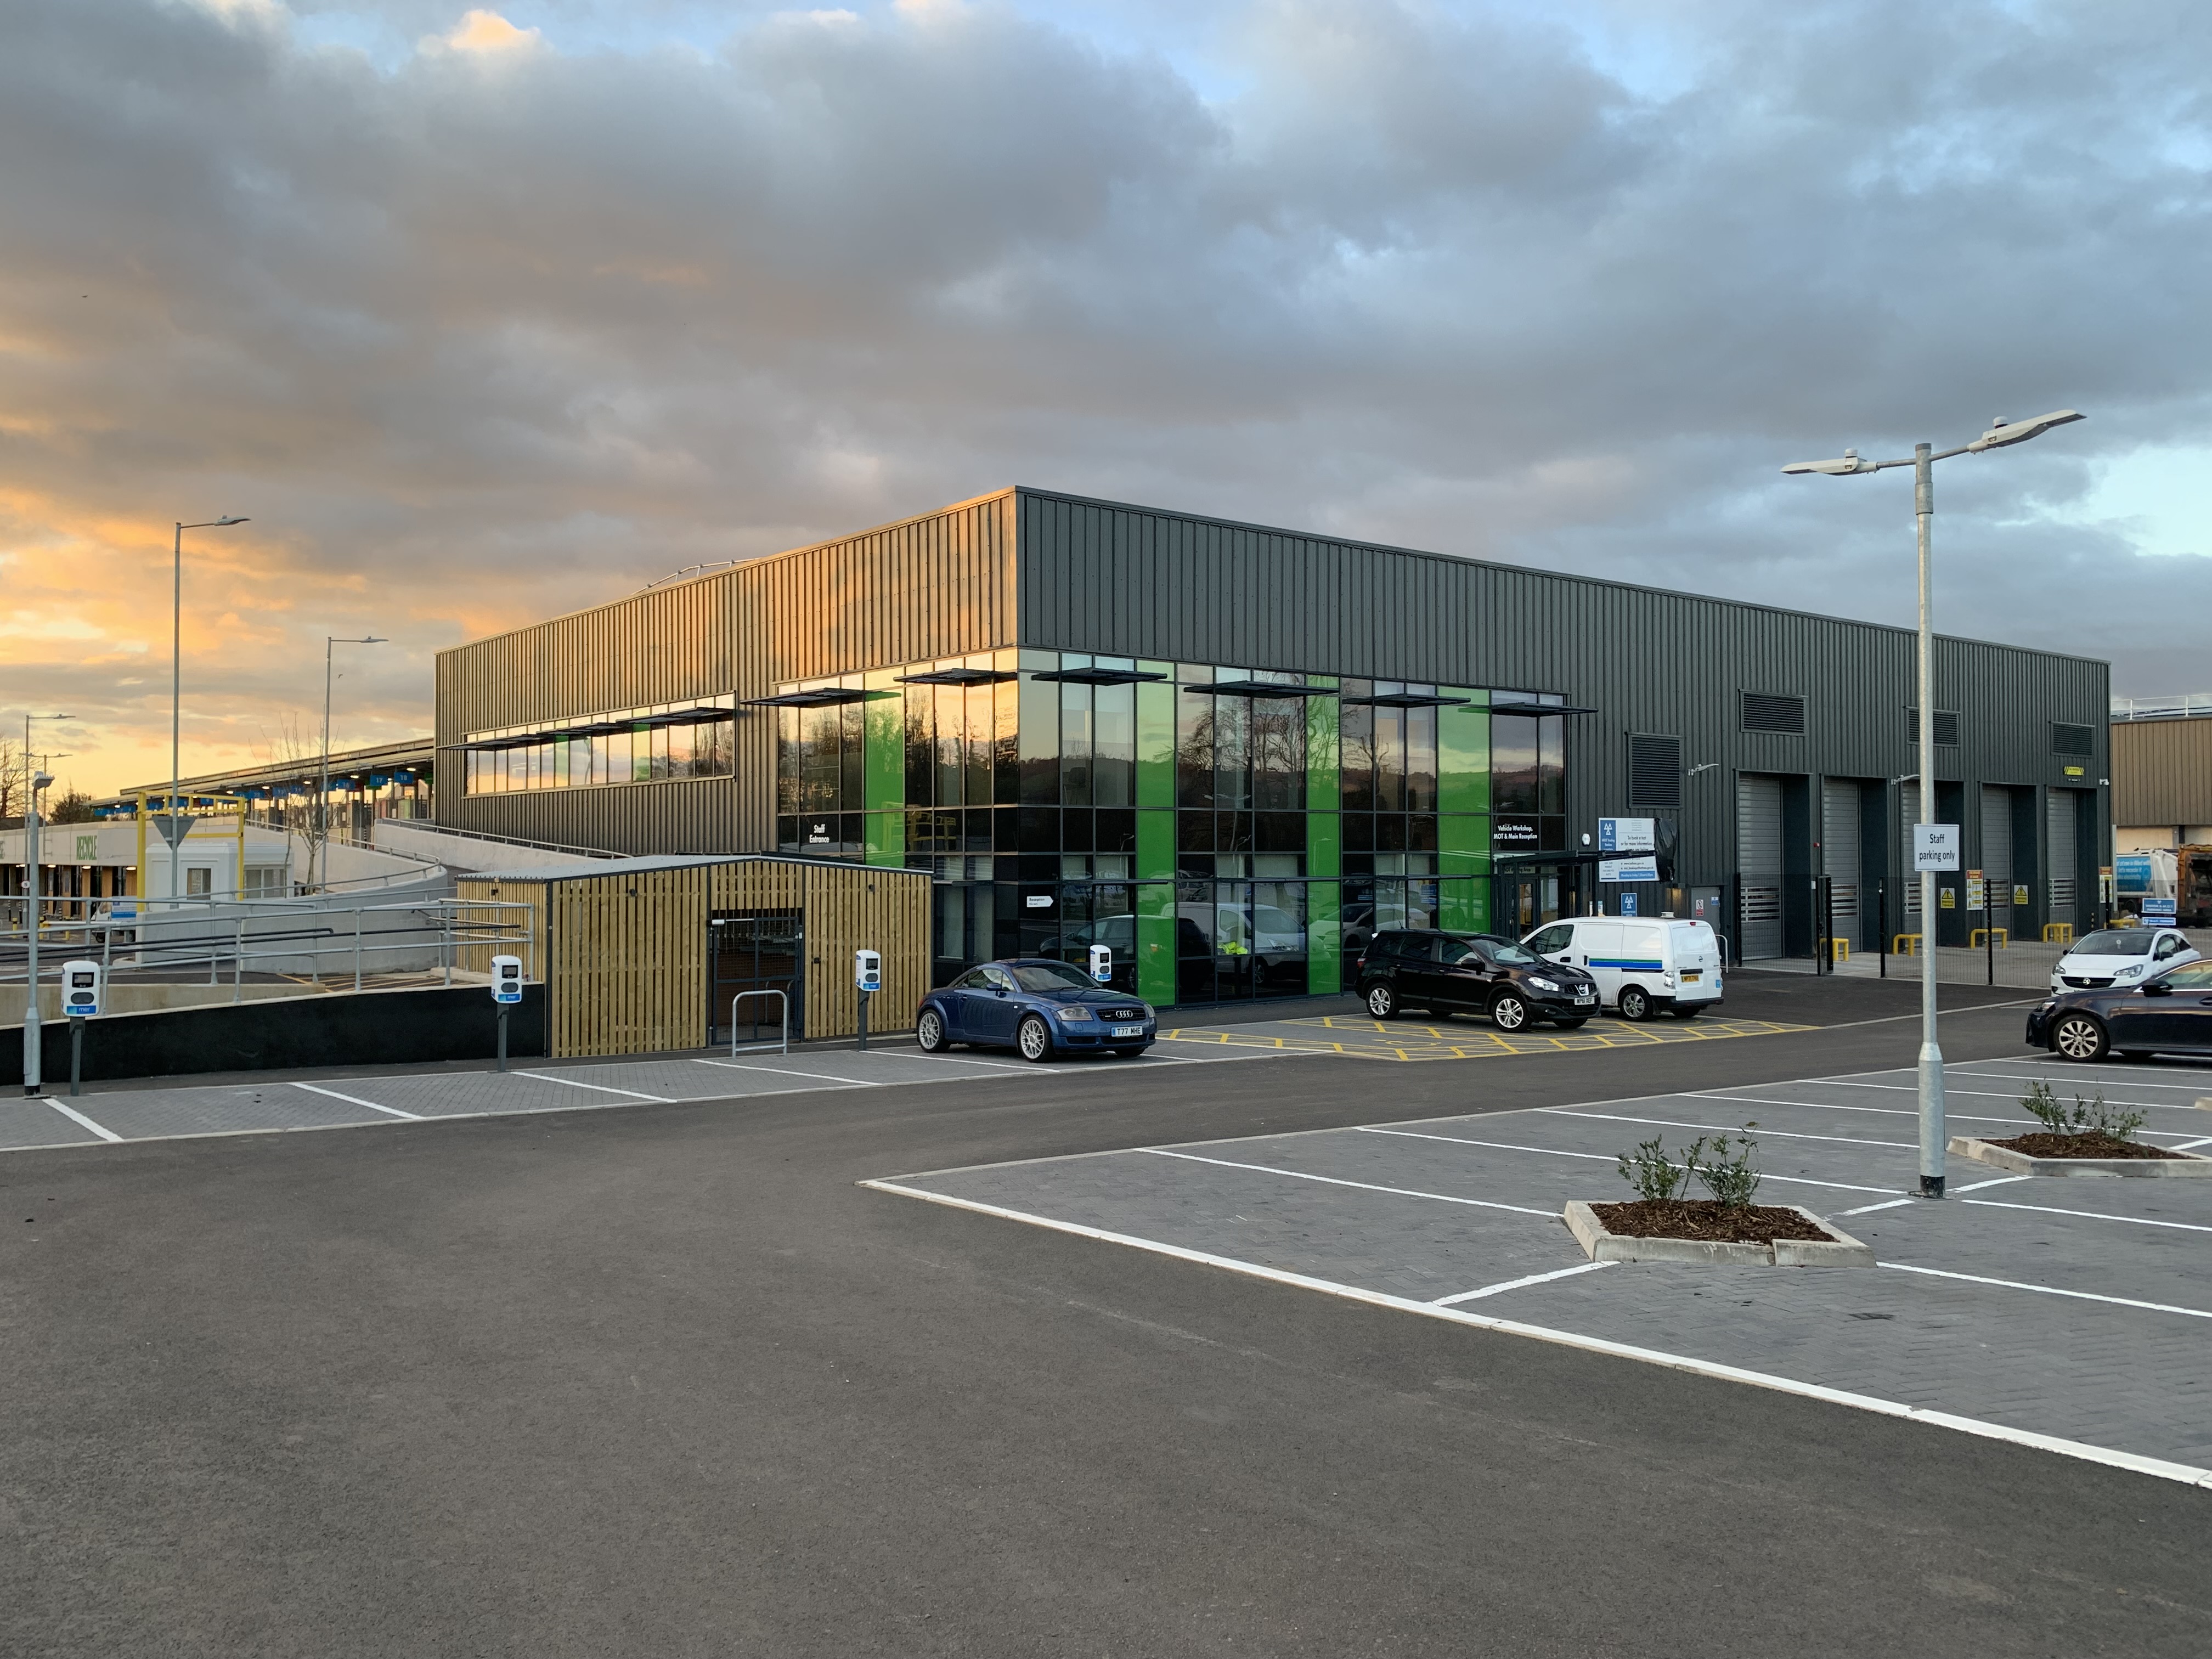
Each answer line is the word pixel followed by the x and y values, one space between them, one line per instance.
pixel 1641 963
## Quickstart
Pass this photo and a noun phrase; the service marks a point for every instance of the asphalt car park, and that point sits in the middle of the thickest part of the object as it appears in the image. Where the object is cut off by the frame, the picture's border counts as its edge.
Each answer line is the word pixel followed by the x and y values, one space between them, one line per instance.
pixel 2069 1316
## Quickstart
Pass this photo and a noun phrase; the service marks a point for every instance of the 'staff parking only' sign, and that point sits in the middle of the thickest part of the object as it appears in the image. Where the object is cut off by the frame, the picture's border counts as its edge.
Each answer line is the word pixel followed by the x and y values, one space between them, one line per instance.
pixel 1934 847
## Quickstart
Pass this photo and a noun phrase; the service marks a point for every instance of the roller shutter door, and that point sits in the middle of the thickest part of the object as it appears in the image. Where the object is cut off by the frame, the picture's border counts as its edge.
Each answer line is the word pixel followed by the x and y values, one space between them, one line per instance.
pixel 2058 865
pixel 1908 814
pixel 1839 850
pixel 1758 863
pixel 1997 850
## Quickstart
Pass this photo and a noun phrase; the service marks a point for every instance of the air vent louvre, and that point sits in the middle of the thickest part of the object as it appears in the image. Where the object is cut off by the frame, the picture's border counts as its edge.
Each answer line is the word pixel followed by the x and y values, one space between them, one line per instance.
pixel 2067 738
pixel 1946 727
pixel 1773 711
pixel 1655 772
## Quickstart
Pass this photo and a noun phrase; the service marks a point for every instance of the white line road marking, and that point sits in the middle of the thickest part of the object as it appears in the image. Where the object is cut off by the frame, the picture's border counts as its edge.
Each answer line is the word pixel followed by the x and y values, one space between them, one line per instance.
pixel 2110 1457
pixel 1987 1094
pixel 2093 1215
pixel 1335 1181
pixel 355 1100
pixel 1868 1209
pixel 2130 1076
pixel 1784 1134
pixel 2000 1181
pixel 1603 1158
pixel 1834 1106
pixel 788 1070
pixel 2191 1145
pixel 601 1088
pixel 80 1118
pixel 2047 1289
pixel 1516 1284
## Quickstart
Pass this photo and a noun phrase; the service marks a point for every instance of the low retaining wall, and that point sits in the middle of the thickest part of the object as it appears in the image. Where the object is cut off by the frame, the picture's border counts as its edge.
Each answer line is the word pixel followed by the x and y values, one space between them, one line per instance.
pixel 366 1028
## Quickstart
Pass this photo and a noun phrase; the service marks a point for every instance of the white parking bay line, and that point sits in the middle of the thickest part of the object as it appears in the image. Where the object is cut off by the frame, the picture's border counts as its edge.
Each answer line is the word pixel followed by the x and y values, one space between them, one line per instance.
pixel 1602 1158
pixel 81 1120
pixel 2093 1215
pixel 355 1100
pixel 2046 1290
pixel 1674 1123
pixel 1516 1284
pixel 1335 1181
pixel 601 1088
pixel 788 1070
pixel 2110 1457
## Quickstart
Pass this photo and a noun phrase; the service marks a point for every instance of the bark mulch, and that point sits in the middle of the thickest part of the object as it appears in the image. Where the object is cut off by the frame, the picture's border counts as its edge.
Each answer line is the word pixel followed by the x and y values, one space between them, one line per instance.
pixel 2090 1143
pixel 1702 1219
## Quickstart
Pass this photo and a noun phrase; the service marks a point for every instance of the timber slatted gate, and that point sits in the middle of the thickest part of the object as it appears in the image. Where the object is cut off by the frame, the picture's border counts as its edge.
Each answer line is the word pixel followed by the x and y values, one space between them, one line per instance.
pixel 622 945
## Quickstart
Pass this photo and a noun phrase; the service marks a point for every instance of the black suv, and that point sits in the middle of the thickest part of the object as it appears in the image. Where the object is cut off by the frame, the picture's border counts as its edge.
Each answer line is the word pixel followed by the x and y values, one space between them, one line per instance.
pixel 1480 973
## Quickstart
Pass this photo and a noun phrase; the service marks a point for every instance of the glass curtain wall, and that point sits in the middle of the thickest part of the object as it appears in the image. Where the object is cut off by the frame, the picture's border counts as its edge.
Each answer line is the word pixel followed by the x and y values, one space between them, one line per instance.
pixel 1228 833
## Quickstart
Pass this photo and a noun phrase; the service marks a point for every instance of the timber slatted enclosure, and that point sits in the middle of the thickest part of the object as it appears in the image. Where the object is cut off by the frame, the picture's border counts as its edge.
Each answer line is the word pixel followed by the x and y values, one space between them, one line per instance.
pixel 623 944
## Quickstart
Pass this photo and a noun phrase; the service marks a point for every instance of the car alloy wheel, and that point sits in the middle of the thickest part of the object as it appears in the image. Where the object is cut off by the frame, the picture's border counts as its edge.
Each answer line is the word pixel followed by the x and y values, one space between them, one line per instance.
pixel 1509 1012
pixel 1381 1002
pixel 2077 1037
pixel 929 1032
pixel 1635 1003
pixel 1034 1040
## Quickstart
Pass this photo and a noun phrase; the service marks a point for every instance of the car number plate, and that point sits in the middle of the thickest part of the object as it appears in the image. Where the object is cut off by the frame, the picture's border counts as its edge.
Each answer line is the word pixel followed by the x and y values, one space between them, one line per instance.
pixel 1128 1031
pixel 1585 996
pixel 1689 973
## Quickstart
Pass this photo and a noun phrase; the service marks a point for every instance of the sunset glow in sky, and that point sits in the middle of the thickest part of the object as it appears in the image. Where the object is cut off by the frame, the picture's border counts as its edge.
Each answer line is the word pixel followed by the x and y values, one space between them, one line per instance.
pixel 484 314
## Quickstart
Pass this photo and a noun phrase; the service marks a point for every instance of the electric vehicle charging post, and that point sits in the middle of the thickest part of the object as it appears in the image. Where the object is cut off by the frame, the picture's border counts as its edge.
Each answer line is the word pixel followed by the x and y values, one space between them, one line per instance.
pixel 505 992
pixel 82 984
pixel 867 979
pixel 1102 963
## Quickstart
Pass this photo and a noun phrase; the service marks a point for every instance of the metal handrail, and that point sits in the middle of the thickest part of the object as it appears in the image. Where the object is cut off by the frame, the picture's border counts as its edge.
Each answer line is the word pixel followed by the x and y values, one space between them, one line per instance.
pixel 760 1048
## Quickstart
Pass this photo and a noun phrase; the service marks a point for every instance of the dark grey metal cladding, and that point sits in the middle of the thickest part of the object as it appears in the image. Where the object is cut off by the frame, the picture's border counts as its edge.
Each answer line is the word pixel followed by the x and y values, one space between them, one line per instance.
pixel 935 586
pixel 1132 582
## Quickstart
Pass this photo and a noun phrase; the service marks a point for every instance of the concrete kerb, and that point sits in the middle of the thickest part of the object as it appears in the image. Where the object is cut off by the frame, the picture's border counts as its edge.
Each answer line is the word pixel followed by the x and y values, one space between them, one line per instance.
pixel 1600 1243
pixel 2018 1163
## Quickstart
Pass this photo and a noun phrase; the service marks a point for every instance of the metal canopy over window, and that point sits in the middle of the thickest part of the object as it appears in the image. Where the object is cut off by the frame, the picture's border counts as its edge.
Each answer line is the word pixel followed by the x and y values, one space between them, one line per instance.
pixel 1540 708
pixel 1423 700
pixel 961 677
pixel 1094 676
pixel 1261 689
pixel 822 696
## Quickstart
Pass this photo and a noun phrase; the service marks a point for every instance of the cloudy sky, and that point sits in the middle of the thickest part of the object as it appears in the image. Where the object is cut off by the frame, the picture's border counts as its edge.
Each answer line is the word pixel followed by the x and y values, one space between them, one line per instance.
pixel 484 315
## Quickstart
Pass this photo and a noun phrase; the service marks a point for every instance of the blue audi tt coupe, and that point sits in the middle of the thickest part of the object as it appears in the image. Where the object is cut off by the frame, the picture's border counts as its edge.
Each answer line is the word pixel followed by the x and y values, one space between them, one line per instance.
pixel 1041 1009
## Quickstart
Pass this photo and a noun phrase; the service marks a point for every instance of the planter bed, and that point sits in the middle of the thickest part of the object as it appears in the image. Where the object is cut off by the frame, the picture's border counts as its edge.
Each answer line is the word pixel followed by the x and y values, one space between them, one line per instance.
pixel 1690 1230
pixel 2088 1155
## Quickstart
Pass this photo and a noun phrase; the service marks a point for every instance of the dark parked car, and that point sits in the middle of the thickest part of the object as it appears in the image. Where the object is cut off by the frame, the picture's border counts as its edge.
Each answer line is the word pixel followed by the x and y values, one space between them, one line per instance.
pixel 2167 1013
pixel 1473 973
pixel 1038 1007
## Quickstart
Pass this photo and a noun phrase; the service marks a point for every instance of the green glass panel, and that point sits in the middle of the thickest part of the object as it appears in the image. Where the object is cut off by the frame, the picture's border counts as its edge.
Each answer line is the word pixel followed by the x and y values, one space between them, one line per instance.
pixel 641 767
pixel 1324 934
pixel 1322 744
pixel 1156 942
pixel 1462 755
pixel 1156 759
pixel 1156 846
pixel 1463 866
pixel 887 836
pixel 884 735
pixel 1463 906
pixel 1324 844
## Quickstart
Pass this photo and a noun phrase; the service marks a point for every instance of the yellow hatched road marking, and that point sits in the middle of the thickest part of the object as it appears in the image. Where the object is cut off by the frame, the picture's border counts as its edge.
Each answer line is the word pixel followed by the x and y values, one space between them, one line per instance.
pixel 1371 1039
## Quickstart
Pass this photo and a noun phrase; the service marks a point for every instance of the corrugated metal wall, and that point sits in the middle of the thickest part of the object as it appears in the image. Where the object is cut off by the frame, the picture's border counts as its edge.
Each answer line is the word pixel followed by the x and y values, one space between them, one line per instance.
pixel 1099 576
pixel 2162 772
pixel 937 586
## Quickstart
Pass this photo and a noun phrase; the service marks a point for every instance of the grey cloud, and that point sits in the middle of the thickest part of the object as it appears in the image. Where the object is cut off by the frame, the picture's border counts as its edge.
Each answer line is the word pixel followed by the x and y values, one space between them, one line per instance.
pixel 479 336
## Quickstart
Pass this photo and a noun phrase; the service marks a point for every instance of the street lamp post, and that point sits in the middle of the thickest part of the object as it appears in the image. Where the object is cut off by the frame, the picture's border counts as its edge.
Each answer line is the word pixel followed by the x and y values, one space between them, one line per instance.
pixel 175 833
pixel 323 798
pixel 2001 433
pixel 33 781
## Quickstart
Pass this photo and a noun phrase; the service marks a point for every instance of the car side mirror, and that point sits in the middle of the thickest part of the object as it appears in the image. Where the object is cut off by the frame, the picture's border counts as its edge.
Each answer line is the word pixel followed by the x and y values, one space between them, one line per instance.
pixel 2157 987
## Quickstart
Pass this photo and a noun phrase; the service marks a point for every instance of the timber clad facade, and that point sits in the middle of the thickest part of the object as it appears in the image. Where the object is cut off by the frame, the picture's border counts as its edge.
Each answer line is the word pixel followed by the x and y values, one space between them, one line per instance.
pixel 1232 752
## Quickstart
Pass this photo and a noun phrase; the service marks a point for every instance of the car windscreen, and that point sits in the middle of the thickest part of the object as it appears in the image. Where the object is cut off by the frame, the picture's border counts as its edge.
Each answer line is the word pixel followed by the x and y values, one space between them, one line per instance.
pixel 1460 949
pixel 1051 976
pixel 2116 942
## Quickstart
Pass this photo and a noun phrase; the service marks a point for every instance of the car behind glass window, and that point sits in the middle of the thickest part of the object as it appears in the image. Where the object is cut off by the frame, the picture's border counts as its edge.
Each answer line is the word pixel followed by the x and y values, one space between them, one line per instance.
pixel 2190 977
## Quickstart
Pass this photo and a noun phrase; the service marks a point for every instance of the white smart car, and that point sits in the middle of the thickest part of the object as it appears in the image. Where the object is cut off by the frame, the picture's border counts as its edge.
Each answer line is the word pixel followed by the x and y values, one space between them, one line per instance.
pixel 2120 956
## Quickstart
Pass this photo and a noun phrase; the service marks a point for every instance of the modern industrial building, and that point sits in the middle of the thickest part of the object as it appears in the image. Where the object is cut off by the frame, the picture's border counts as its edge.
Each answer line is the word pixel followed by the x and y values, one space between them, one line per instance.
pixel 1232 752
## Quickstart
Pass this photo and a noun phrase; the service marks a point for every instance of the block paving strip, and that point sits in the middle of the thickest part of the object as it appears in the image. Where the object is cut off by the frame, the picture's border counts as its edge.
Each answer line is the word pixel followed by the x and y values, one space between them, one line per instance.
pixel 2072 1316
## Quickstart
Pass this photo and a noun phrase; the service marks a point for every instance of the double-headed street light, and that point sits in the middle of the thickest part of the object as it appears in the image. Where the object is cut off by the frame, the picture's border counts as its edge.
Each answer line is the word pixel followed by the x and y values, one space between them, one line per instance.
pixel 33 781
pixel 2002 433
pixel 174 832
pixel 323 800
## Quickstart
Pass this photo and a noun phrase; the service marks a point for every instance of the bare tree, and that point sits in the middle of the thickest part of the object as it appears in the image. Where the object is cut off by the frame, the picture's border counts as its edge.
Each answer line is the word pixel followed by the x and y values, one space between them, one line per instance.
pixel 11 778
